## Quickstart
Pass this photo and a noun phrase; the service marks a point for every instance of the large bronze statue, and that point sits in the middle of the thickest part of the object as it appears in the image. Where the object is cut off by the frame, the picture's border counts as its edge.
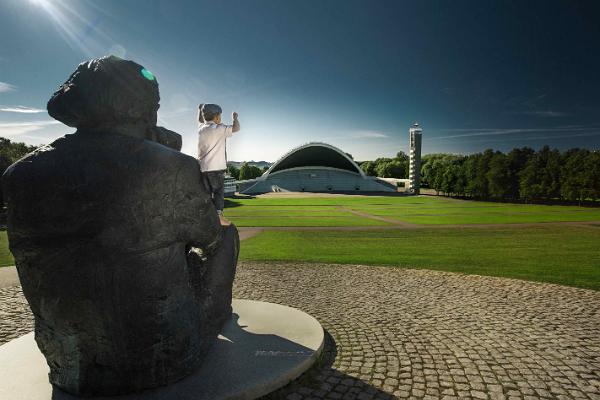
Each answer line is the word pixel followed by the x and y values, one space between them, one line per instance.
pixel 117 244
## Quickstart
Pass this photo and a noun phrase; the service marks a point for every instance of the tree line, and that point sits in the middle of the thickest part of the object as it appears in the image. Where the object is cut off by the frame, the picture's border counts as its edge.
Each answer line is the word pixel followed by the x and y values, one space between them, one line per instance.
pixel 396 167
pixel 522 174
pixel 245 171
pixel 11 152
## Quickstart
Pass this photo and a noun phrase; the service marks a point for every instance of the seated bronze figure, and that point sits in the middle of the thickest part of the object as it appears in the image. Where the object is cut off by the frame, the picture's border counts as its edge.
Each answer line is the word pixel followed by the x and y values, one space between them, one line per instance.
pixel 117 244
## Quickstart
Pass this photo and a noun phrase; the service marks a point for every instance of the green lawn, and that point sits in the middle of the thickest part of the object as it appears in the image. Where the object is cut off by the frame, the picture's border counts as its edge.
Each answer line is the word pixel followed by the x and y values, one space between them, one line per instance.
pixel 265 221
pixel 425 210
pixel 323 202
pixel 482 213
pixel 557 254
pixel 497 218
pixel 567 255
pixel 6 259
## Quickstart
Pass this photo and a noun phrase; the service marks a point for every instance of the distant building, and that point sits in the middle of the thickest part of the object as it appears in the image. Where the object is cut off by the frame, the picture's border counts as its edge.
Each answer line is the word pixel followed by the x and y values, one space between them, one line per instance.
pixel 414 169
pixel 229 186
pixel 315 167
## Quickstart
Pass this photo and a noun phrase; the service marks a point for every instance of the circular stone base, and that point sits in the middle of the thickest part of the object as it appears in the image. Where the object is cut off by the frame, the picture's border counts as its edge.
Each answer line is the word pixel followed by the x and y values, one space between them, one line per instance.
pixel 262 348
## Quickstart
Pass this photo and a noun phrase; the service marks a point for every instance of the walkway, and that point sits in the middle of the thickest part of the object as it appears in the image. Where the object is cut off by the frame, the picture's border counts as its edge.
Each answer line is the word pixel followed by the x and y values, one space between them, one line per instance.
pixel 421 334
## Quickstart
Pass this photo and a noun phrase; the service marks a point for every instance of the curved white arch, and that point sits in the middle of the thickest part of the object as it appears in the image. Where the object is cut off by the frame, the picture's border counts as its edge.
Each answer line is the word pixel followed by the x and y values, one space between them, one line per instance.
pixel 313 144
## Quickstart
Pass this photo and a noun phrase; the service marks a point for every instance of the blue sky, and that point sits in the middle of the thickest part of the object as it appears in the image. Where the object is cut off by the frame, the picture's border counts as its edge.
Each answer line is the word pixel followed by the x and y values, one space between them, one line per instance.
pixel 355 74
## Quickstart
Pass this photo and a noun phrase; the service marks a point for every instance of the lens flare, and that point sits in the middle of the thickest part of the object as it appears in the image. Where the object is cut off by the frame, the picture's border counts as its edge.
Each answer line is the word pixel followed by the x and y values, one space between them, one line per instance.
pixel 147 74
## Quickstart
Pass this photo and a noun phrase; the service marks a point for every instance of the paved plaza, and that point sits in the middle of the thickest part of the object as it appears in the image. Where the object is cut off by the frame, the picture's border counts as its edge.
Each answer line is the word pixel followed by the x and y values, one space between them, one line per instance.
pixel 421 334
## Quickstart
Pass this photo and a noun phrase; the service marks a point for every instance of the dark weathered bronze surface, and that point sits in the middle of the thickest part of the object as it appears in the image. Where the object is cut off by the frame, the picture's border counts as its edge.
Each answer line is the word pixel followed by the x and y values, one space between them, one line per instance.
pixel 118 247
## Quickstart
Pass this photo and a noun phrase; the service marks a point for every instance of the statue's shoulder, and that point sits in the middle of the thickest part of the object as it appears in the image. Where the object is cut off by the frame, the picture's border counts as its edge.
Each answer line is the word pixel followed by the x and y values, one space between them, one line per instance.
pixel 163 152
pixel 37 159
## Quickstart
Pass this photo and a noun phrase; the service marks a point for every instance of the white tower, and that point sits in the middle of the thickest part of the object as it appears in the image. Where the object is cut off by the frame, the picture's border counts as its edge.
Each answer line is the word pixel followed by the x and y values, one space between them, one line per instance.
pixel 414 169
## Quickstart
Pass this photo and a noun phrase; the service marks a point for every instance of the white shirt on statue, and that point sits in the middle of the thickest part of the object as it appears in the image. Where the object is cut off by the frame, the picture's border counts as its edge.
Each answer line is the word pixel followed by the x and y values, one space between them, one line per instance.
pixel 212 152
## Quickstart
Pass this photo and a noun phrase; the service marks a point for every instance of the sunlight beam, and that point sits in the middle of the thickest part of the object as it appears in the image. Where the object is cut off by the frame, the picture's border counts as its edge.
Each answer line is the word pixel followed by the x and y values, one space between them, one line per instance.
pixel 73 27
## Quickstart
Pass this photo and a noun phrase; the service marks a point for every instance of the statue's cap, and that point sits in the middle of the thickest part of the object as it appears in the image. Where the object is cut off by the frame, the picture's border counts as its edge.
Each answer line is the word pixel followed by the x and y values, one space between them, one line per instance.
pixel 106 92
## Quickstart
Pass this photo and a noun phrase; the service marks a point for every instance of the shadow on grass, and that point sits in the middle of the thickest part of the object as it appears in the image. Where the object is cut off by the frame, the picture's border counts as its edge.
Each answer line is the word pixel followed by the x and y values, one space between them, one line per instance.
pixel 231 204
pixel 322 378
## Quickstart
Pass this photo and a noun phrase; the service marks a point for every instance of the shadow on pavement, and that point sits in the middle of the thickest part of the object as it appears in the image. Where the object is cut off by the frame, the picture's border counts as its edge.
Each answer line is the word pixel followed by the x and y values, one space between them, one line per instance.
pixel 323 378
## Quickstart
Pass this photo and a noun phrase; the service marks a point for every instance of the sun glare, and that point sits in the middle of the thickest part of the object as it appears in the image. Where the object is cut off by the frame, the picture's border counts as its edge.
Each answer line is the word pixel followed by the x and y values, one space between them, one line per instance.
pixel 40 3
pixel 74 28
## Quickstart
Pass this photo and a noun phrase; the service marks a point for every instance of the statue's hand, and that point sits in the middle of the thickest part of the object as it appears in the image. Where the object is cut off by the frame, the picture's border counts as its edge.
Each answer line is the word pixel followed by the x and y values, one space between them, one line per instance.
pixel 212 248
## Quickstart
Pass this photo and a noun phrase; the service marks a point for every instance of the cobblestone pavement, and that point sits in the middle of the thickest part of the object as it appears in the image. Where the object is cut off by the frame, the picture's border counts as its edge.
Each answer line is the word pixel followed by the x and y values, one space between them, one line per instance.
pixel 16 318
pixel 423 334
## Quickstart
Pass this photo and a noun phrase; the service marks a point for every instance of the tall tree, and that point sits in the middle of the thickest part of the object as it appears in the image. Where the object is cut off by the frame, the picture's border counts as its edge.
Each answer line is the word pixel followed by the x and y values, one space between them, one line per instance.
pixel 368 168
pixel 551 174
pixel 233 171
pixel 592 174
pixel 477 173
pixel 390 169
pixel 461 176
pixel 517 159
pixel 573 175
pixel 430 165
pixel 249 171
pixel 498 176
pixel 530 178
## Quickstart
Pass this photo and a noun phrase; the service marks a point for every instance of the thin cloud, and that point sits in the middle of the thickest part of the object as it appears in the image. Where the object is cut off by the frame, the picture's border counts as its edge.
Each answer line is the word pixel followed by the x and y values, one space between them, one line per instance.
pixel 554 137
pixel 20 128
pixel 595 133
pixel 22 109
pixel 359 134
pixel 494 132
pixel 548 113
pixel 7 87
pixel 368 135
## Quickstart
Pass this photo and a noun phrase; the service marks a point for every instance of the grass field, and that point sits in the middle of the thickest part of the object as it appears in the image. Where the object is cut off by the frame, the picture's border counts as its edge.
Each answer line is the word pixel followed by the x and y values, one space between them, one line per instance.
pixel 265 221
pixel 6 258
pixel 423 210
pixel 557 254
pixel 563 254
pixel 568 255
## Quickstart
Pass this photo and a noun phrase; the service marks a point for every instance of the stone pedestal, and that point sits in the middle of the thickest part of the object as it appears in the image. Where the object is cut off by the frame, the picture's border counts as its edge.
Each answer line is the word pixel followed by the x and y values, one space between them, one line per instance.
pixel 261 348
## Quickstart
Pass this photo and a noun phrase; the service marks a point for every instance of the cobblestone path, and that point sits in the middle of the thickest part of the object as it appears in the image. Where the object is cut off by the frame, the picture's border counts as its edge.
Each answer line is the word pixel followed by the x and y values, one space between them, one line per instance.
pixel 424 334
pixel 16 318
pixel 398 333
